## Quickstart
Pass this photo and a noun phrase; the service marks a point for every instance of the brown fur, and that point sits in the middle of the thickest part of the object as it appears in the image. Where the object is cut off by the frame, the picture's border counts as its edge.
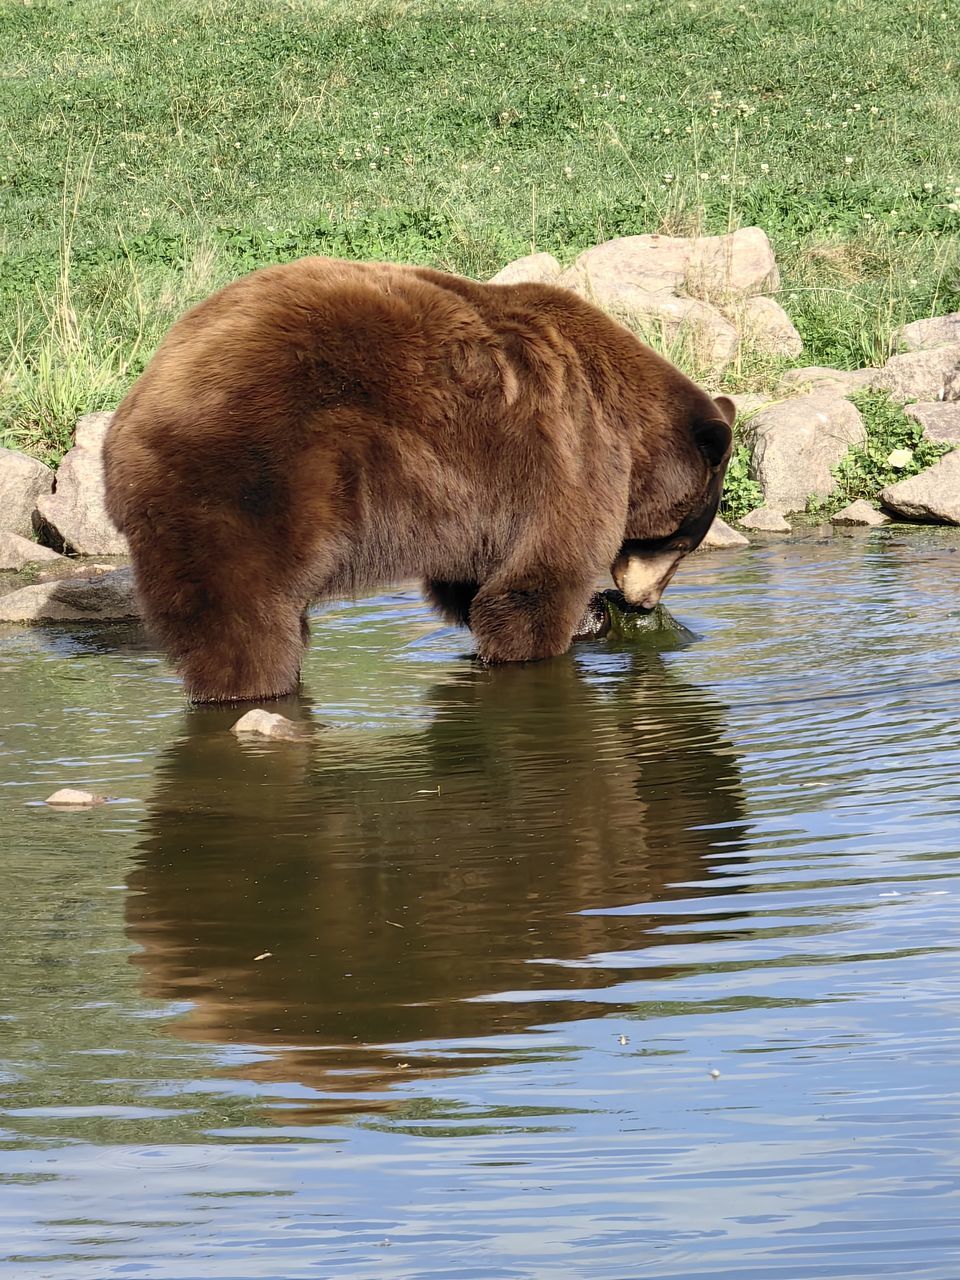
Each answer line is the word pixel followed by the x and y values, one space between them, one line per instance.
pixel 321 428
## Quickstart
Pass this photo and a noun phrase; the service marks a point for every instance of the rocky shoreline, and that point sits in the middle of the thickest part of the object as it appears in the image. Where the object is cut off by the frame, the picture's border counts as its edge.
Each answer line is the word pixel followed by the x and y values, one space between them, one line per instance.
pixel 710 297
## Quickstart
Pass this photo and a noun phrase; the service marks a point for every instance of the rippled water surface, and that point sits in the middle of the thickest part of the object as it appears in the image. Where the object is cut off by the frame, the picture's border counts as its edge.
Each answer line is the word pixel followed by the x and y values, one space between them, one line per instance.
pixel 640 963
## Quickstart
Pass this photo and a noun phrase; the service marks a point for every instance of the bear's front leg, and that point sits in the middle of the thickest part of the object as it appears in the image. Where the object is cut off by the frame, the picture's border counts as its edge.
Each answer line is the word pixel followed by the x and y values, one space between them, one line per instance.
pixel 522 619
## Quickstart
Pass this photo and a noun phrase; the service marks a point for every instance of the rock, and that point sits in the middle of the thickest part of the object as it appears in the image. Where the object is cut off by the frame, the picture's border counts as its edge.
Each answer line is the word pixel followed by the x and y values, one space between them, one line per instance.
pixel 924 335
pixel 720 536
pixel 860 513
pixel 766 327
pixel 932 495
pixel 741 264
pixel 68 798
pixel 843 382
pixel 75 514
pixel 921 375
pixel 748 403
pixel 107 598
pixel 22 481
pixel 17 552
pixel 535 268
pixel 940 420
pixel 796 443
pixel 267 724
pixel 766 519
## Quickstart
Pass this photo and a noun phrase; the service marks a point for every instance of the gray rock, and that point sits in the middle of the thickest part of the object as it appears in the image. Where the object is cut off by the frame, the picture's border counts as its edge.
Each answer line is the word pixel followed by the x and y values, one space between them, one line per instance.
pixel 767 520
pixel 267 724
pixel 932 495
pixel 70 798
pixel 739 264
pixel 720 537
pixel 766 327
pixel 749 403
pixel 843 382
pixel 921 375
pixel 22 482
pixel 923 335
pixel 940 420
pixel 107 598
pixel 17 552
pixel 75 513
pixel 860 513
pixel 797 443
pixel 535 268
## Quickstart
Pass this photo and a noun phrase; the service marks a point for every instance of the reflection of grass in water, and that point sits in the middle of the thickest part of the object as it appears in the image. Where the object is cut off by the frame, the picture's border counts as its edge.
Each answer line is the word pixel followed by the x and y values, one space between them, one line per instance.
pixel 225 137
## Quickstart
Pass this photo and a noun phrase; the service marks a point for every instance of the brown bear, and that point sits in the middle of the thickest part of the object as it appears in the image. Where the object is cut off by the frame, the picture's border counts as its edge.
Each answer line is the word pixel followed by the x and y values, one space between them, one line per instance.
pixel 321 428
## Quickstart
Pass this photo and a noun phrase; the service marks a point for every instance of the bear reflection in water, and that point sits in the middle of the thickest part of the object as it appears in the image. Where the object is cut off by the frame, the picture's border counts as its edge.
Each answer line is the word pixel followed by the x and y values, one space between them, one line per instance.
pixel 397 878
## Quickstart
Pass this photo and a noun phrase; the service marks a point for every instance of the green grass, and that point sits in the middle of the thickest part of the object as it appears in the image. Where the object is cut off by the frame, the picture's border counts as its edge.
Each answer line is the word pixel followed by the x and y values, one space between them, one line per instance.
pixel 152 149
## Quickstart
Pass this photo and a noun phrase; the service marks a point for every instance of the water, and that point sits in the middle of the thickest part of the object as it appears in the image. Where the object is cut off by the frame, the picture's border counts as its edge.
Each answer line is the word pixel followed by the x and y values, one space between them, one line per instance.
pixel 440 993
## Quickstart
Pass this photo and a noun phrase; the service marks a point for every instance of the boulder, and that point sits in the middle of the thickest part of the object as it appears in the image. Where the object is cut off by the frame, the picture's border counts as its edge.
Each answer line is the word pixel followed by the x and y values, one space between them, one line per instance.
pixel 107 598
pixel 932 495
pixel 17 552
pixel 860 513
pixel 268 724
pixel 923 335
pixel 921 375
pixel 74 514
pixel 738 264
pixel 747 403
pixel 796 445
pixel 767 520
pixel 720 537
pixel 23 480
pixel 535 268
pixel 940 420
pixel 766 327
pixel 843 382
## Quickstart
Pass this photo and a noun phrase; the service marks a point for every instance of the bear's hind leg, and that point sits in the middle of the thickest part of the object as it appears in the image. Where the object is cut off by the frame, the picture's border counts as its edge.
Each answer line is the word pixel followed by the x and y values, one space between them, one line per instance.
pixel 527 617
pixel 452 600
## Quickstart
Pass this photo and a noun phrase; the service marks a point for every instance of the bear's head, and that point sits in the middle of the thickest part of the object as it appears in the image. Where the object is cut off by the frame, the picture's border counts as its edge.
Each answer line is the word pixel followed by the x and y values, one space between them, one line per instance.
pixel 676 486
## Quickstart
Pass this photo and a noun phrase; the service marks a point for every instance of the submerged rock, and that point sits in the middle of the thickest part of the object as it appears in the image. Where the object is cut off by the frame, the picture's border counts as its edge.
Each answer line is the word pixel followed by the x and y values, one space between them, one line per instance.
pixel 268 724
pixel 69 798
pixel 608 614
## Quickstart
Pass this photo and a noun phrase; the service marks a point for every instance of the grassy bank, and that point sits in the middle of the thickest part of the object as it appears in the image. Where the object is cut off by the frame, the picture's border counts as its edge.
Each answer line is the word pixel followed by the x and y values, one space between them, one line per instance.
pixel 155 148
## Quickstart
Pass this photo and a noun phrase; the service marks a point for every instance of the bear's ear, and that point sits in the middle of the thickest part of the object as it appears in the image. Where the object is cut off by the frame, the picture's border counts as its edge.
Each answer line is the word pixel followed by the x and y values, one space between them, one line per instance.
pixel 727 408
pixel 714 439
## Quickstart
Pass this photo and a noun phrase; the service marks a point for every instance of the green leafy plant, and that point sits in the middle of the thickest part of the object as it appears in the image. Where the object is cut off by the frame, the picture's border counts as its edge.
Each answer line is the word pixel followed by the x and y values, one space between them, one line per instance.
pixel 740 493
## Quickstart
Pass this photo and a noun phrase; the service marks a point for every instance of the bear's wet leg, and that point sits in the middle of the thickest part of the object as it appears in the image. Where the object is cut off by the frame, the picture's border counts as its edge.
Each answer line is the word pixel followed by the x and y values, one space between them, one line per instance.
pixel 521 619
pixel 452 600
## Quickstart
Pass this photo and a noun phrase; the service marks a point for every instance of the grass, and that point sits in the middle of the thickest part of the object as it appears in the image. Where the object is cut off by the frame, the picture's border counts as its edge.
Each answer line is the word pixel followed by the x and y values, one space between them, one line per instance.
pixel 152 149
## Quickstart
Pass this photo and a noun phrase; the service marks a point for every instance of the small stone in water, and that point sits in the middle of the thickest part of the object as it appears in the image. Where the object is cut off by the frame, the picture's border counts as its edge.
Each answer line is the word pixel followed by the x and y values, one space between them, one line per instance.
pixel 267 724
pixel 68 798
pixel 715 1073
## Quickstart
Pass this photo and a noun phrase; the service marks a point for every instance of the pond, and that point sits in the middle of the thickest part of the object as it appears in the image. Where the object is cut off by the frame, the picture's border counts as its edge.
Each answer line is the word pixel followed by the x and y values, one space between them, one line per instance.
pixel 644 962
